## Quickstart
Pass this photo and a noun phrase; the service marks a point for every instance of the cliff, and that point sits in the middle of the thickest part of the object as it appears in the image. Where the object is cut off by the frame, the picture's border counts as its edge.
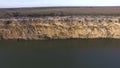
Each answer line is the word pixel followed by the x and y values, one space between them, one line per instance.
pixel 52 29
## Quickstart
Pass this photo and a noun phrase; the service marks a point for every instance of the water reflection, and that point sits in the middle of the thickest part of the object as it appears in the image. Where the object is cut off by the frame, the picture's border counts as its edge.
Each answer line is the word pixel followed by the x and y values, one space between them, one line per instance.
pixel 61 44
pixel 79 53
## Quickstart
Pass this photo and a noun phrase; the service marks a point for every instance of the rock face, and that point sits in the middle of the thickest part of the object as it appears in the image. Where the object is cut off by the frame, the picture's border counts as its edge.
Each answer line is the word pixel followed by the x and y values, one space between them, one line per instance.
pixel 44 29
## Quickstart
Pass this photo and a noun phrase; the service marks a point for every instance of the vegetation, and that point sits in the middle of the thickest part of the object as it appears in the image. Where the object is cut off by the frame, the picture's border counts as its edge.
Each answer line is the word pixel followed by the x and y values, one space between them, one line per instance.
pixel 59 23
pixel 65 27
pixel 58 11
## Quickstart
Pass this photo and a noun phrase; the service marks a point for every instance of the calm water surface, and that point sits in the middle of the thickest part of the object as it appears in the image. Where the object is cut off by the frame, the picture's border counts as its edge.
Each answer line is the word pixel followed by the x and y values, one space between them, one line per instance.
pixel 79 53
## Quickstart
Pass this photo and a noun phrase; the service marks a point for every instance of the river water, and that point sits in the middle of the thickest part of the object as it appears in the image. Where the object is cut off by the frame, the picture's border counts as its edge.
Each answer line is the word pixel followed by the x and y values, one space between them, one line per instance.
pixel 76 53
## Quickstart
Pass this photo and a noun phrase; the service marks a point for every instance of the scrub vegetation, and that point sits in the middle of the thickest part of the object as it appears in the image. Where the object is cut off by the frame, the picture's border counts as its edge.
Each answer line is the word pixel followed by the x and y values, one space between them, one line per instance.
pixel 59 23
pixel 66 27
pixel 58 11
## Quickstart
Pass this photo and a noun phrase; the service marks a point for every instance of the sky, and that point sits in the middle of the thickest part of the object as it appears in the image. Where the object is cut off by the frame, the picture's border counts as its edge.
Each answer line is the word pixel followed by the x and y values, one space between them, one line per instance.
pixel 49 3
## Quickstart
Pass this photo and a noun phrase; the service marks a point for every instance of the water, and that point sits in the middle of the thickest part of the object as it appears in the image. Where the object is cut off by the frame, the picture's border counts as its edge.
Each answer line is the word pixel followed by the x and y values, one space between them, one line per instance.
pixel 79 53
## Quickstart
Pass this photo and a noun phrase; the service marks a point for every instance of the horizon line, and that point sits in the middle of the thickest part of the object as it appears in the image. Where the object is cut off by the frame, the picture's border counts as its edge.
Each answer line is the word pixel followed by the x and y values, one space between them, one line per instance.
pixel 60 7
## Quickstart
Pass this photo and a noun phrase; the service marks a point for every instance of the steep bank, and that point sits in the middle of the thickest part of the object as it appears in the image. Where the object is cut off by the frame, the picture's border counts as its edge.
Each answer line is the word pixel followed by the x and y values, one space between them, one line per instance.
pixel 52 29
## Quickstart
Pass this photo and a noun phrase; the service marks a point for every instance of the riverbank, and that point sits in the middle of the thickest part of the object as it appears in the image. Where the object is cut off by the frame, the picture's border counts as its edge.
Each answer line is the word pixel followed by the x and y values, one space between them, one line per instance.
pixel 65 27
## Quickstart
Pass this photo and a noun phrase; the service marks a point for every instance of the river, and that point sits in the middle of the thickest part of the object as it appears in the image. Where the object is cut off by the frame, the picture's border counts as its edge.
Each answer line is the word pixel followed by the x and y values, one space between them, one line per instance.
pixel 75 53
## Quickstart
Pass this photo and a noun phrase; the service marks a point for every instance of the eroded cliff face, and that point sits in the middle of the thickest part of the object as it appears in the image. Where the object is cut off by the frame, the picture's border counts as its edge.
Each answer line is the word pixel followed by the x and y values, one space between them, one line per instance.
pixel 59 30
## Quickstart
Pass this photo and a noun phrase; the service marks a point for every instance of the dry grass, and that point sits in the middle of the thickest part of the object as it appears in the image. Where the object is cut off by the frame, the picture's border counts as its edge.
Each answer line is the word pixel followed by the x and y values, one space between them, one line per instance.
pixel 58 11
pixel 59 28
